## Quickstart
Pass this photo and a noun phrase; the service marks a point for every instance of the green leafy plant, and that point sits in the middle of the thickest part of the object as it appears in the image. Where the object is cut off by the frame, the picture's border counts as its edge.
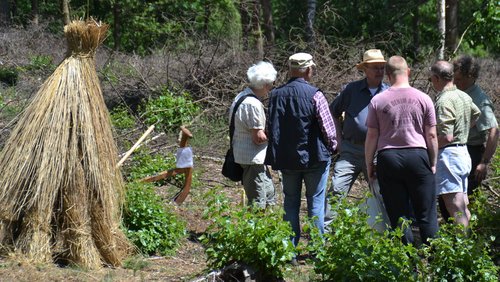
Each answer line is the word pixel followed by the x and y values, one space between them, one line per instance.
pixel 258 238
pixel 356 252
pixel 121 118
pixel 457 254
pixel 9 75
pixel 149 225
pixel 144 164
pixel 170 110
pixel 41 63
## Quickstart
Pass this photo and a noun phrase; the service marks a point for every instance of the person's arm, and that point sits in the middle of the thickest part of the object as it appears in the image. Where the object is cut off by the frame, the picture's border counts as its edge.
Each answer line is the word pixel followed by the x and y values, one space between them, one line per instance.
pixel 489 151
pixel 325 121
pixel 259 136
pixel 371 142
pixel 444 140
pixel 338 129
pixel 432 145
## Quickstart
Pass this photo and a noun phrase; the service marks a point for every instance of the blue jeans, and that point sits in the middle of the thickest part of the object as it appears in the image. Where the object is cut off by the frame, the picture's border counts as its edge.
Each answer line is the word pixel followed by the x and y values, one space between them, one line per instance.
pixel 346 170
pixel 315 179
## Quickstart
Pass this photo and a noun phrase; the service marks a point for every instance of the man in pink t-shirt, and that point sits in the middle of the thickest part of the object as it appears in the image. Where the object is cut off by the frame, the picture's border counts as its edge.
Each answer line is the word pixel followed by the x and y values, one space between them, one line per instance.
pixel 402 131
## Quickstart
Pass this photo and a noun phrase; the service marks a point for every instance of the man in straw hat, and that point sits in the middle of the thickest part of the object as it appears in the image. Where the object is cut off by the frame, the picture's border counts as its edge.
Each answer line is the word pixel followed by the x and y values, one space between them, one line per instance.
pixel 302 138
pixel 352 105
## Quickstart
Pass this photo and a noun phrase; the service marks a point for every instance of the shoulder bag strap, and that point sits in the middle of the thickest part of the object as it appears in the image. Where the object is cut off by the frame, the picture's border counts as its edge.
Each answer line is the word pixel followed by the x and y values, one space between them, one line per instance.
pixel 231 124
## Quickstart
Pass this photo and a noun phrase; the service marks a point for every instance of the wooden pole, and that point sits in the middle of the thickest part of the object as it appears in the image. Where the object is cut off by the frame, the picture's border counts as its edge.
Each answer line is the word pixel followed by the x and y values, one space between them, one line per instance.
pixel 131 150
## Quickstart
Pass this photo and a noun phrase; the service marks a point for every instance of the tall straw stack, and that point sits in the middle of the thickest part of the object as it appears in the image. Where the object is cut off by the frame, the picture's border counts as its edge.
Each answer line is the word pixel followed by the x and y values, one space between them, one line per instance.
pixel 59 184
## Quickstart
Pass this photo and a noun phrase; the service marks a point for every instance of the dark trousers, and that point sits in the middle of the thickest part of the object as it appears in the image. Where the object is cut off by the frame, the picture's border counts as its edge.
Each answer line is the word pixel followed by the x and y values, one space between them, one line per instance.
pixel 476 154
pixel 407 183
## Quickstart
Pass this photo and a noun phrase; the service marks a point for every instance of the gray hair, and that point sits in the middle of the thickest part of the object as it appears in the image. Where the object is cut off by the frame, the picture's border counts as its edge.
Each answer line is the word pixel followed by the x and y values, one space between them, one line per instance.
pixel 261 74
pixel 443 70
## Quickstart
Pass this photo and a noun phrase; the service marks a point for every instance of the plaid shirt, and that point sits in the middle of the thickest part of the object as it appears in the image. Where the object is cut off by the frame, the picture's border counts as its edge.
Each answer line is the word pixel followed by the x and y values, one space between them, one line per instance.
pixel 325 121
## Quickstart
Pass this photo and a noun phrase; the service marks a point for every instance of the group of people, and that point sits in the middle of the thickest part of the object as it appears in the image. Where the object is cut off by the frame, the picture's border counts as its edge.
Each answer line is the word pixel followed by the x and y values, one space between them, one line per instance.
pixel 418 150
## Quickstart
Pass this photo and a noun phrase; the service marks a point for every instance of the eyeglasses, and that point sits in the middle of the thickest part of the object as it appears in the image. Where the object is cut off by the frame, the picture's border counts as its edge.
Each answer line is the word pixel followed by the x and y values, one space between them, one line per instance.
pixel 376 68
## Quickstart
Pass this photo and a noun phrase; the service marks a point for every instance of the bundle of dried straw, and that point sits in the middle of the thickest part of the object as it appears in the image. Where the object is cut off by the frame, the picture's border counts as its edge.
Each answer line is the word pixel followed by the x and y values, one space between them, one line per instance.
pixel 60 190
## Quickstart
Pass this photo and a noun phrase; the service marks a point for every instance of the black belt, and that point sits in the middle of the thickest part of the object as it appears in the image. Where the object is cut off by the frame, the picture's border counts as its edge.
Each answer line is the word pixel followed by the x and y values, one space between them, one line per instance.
pixel 454 145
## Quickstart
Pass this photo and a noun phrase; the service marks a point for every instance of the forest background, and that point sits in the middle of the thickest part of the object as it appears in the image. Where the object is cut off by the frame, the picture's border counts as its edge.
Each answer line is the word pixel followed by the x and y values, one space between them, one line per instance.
pixel 191 57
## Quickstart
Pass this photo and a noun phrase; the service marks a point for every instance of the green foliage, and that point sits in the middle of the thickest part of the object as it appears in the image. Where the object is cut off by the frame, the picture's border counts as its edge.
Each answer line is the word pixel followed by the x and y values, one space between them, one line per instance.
pixel 149 225
pixel 256 237
pixel 121 118
pixel 8 75
pixel 41 63
pixel 460 255
pixel 144 163
pixel 170 110
pixel 356 252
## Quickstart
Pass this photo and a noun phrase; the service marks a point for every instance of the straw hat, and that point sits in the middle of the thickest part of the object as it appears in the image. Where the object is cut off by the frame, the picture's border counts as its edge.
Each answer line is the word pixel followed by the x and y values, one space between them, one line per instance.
pixel 371 56
pixel 301 60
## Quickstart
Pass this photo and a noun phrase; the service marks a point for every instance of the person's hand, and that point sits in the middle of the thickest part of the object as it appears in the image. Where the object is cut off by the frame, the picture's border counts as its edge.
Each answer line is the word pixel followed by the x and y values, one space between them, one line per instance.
pixel 433 169
pixel 480 172
pixel 371 170
pixel 259 137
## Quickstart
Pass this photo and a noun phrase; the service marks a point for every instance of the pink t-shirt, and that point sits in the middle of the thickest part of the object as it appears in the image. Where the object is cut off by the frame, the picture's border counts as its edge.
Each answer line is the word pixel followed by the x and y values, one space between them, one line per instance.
pixel 400 115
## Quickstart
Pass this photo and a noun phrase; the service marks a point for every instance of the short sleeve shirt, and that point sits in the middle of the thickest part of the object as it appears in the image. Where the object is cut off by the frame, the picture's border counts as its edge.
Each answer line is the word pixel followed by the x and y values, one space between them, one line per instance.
pixel 249 115
pixel 478 133
pixel 400 115
pixel 454 113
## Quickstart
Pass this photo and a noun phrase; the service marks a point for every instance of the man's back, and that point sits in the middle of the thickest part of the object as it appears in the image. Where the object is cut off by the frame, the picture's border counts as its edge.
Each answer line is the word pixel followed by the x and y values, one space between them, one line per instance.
pixel 401 117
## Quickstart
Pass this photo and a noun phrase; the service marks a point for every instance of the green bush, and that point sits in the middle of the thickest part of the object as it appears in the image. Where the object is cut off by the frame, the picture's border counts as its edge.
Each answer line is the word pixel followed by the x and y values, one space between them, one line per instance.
pixel 258 238
pixel 41 63
pixel 121 118
pixel 144 164
pixel 9 75
pixel 149 225
pixel 356 252
pixel 170 110
pixel 460 255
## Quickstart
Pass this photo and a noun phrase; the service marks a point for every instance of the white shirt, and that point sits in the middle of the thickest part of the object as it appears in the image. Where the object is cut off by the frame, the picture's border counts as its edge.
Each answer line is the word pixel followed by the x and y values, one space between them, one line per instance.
pixel 249 115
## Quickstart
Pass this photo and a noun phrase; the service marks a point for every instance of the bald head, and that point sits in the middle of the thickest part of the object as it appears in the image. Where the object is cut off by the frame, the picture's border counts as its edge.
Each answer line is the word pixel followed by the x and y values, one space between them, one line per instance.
pixel 396 65
pixel 443 70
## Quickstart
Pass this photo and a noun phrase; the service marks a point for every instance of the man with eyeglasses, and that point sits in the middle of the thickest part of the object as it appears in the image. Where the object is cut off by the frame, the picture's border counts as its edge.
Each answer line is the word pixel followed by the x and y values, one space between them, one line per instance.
pixel 349 111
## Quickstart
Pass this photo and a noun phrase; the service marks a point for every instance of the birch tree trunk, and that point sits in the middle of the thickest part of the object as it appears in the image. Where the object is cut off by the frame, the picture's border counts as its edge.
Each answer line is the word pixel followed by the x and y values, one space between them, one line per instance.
pixel 65 11
pixel 311 12
pixel 441 27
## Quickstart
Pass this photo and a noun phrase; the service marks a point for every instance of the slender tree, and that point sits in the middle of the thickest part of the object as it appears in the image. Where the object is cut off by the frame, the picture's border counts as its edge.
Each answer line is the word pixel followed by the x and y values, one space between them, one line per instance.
pixel 65 11
pixel 441 27
pixel 116 25
pixel 4 12
pixel 311 12
pixel 451 25
pixel 34 12
pixel 268 21
pixel 256 30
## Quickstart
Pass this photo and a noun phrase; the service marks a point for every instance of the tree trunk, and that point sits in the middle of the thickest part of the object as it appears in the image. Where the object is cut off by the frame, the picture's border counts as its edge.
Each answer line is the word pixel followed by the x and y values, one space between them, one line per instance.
pixel 311 12
pixel 116 25
pixel 441 27
pixel 256 31
pixel 34 12
pixel 4 12
pixel 451 25
pixel 65 11
pixel 267 12
pixel 415 26
pixel 245 23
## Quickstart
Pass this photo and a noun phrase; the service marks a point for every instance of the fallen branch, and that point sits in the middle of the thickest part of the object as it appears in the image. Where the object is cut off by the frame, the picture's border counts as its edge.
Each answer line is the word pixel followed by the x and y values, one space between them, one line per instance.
pixel 129 152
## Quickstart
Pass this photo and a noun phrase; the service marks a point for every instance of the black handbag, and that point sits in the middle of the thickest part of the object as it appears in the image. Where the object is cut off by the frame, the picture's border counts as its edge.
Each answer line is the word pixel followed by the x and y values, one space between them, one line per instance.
pixel 230 168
